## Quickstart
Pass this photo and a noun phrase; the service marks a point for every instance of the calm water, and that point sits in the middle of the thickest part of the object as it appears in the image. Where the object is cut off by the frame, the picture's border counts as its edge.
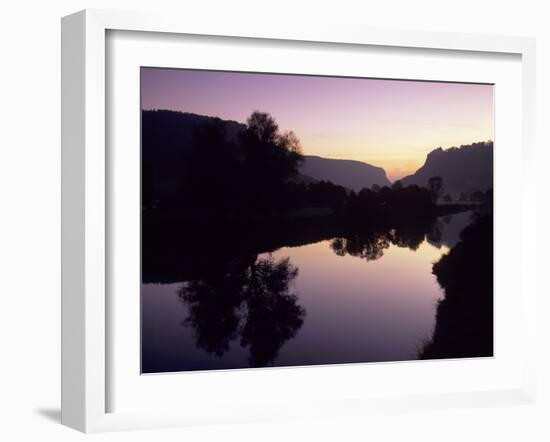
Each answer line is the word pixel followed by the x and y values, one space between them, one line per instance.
pixel 321 303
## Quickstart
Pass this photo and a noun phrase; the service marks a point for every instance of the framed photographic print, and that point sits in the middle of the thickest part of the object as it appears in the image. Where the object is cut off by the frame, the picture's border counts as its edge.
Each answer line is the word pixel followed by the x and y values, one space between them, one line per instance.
pixel 259 237
pixel 275 222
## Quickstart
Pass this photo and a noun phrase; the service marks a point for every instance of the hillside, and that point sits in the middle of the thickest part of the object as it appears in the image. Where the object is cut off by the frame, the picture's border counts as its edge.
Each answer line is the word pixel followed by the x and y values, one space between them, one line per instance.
pixel 350 174
pixel 167 141
pixel 463 169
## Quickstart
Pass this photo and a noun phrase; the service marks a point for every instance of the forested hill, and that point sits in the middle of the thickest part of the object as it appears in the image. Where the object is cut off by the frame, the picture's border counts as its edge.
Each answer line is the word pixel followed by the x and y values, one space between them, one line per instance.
pixel 167 140
pixel 463 169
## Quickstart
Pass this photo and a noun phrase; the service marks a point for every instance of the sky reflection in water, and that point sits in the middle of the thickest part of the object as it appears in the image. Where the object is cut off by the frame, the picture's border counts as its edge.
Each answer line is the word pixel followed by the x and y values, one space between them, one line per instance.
pixel 355 310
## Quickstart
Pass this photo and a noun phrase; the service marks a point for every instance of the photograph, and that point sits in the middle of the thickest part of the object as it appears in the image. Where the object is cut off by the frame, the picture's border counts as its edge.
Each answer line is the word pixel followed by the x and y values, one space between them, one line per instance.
pixel 302 220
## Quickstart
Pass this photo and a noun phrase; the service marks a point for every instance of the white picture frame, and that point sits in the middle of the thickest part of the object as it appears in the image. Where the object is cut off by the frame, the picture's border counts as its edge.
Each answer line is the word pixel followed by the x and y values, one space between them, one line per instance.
pixel 86 351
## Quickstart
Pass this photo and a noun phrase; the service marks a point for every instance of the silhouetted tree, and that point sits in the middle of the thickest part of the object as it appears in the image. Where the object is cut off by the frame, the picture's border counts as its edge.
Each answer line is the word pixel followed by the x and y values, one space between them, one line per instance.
pixel 213 173
pixel 325 194
pixel 435 185
pixel 398 185
pixel 249 175
pixel 448 198
pixel 270 159
pixel 262 127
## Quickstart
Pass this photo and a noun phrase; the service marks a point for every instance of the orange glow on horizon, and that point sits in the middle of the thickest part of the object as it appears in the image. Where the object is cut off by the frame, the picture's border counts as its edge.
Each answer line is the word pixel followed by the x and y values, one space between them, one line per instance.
pixel 398 162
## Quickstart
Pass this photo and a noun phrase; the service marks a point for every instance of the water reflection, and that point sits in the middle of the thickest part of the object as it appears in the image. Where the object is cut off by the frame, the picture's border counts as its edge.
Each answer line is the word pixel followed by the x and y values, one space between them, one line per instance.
pixel 370 244
pixel 240 300
pixel 445 231
pixel 250 300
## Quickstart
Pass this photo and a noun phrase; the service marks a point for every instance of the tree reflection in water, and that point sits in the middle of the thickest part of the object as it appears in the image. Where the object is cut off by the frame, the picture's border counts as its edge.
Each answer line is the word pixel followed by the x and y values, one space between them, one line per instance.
pixel 370 244
pixel 247 299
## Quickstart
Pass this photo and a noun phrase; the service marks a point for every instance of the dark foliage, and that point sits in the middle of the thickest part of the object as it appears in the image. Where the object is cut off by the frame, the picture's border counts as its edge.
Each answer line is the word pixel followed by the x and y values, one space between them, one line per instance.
pixel 270 158
pixel 250 300
pixel 435 186
pixel 390 204
pixel 464 320
pixel 319 194
pixel 222 166
pixel 211 184
pixel 166 142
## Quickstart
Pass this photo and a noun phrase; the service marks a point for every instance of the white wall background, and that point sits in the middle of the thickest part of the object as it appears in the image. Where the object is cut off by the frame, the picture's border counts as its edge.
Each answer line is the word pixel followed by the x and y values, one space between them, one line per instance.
pixel 30 219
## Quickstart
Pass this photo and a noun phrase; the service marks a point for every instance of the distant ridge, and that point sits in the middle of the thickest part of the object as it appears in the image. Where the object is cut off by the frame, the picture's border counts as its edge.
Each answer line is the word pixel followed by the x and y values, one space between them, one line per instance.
pixel 352 174
pixel 467 168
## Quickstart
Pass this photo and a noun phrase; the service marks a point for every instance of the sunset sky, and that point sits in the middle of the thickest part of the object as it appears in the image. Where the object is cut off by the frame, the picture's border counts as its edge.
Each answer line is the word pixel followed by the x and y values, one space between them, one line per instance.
pixel 388 123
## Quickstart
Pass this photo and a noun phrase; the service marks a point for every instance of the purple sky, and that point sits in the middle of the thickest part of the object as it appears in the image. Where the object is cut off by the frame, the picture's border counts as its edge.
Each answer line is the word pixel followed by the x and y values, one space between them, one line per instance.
pixel 388 123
